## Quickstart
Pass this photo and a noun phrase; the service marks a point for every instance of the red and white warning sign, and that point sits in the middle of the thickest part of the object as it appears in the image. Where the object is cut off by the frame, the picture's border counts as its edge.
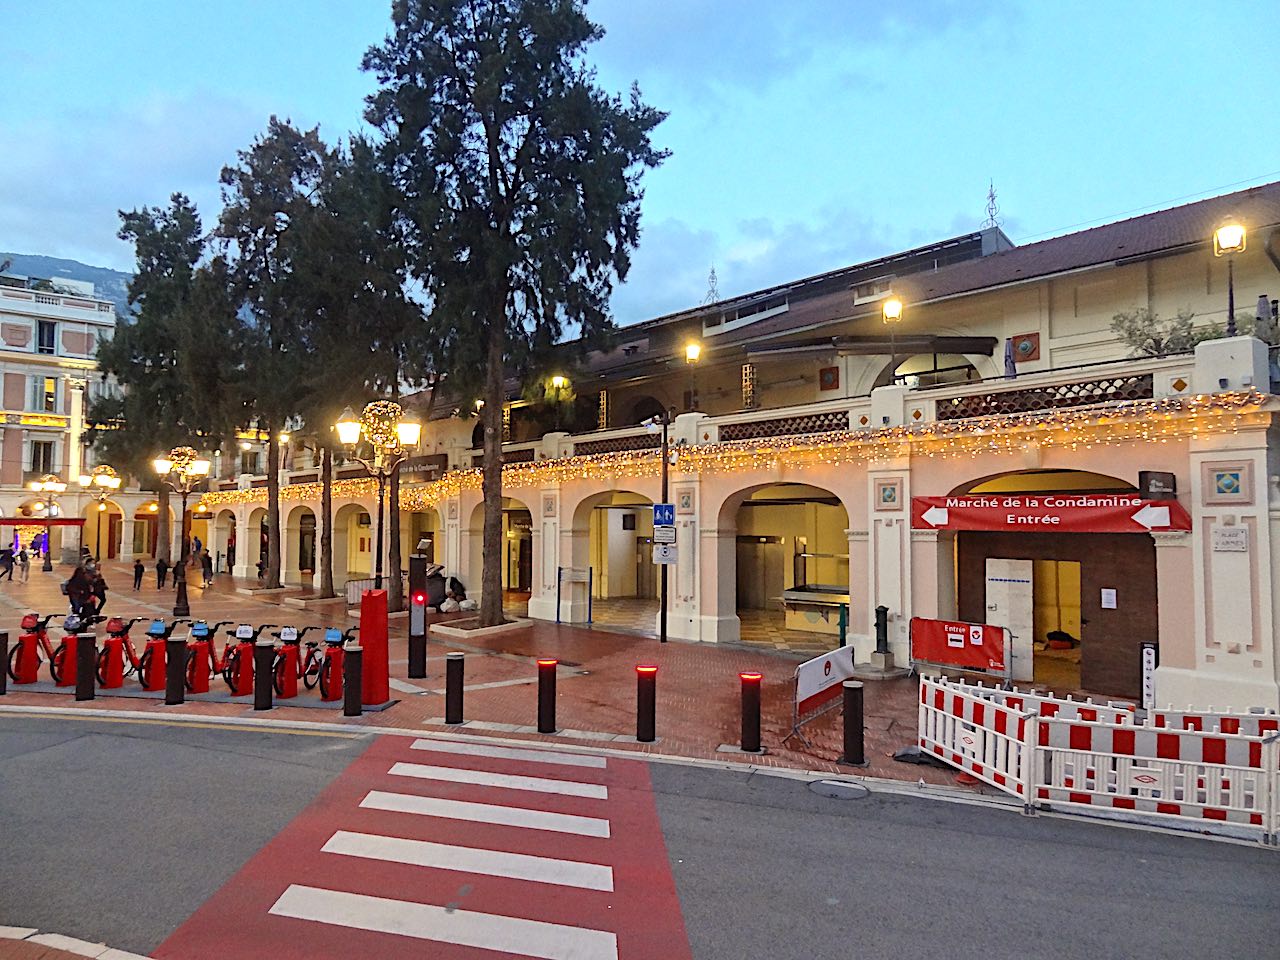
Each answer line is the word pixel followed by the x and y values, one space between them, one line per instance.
pixel 1060 512
pixel 953 643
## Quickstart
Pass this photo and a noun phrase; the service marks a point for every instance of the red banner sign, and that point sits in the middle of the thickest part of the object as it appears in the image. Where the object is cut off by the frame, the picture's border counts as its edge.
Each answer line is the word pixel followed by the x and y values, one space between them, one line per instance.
pixel 1057 512
pixel 971 646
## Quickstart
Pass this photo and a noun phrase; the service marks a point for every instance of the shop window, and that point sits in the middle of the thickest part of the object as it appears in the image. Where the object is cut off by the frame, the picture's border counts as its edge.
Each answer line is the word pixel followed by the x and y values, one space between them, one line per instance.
pixel 42 456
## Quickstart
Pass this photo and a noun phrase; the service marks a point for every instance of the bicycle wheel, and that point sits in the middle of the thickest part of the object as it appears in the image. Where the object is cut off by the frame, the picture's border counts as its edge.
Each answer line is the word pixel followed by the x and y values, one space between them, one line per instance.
pixel 144 668
pixel 311 672
pixel 57 661
pixel 231 669
pixel 191 669
pixel 277 676
pixel 12 665
pixel 102 667
pixel 325 669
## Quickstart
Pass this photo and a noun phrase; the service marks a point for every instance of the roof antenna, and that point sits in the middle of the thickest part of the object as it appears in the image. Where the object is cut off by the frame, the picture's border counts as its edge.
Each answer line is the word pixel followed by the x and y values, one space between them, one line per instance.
pixel 713 287
pixel 993 208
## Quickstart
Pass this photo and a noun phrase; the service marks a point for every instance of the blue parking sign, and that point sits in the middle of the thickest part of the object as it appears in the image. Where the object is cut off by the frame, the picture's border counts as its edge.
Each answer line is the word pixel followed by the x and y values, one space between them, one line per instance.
pixel 664 514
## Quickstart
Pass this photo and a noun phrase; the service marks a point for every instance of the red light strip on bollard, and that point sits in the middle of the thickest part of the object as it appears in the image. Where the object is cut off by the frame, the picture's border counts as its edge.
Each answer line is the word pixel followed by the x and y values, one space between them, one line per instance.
pixel 547 663
pixel 646 669
pixel 751 676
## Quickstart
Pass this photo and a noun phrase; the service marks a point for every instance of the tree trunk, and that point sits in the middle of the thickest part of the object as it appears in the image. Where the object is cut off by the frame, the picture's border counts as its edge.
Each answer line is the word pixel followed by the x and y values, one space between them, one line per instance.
pixel 395 587
pixel 326 521
pixel 273 509
pixel 164 527
pixel 491 580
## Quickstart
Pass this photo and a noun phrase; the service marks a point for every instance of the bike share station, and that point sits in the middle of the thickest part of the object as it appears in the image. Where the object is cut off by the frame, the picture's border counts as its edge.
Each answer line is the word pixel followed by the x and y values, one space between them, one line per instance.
pixel 176 660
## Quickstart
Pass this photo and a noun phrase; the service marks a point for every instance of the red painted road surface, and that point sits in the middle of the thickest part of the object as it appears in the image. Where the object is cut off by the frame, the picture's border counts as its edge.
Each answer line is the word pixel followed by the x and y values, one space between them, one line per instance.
pixel 455 850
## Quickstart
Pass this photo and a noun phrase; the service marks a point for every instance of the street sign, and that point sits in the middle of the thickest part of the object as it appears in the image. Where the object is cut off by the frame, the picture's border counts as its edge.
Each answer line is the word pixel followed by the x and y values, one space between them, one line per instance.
pixel 666 534
pixel 1150 660
pixel 664 514
pixel 1057 512
pixel 664 553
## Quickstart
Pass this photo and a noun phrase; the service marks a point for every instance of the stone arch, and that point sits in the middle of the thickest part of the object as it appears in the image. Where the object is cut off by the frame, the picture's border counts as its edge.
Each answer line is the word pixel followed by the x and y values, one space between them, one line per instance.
pixel 517 550
pixel 353 536
pixel 301 545
pixel 642 408
pixel 256 539
pixel 224 539
pixel 776 537
pixel 103 528
pixel 606 531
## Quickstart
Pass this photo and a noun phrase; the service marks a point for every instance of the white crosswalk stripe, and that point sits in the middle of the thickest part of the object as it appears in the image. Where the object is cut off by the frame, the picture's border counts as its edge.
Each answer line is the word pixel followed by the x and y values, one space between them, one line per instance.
pixel 493 863
pixel 510 753
pixel 486 813
pixel 508 781
pixel 529 938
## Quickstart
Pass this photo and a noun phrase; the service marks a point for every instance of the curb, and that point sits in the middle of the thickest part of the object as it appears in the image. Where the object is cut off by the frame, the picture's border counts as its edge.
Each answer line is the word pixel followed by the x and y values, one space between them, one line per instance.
pixel 81 948
pixel 901 788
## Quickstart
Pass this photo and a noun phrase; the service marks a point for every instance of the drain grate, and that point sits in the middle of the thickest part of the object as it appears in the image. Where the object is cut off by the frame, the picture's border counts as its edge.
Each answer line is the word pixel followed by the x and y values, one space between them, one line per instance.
pixel 839 790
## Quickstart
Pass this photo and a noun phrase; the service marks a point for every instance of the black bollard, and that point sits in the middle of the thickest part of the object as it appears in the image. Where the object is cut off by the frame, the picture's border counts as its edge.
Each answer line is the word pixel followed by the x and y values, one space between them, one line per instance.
pixel 4 662
pixel 86 665
pixel 352 680
pixel 854 751
pixel 882 629
pixel 547 695
pixel 181 606
pixel 417 656
pixel 175 671
pixel 453 687
pixel 751 711
pixel 264 673
pixel 646 702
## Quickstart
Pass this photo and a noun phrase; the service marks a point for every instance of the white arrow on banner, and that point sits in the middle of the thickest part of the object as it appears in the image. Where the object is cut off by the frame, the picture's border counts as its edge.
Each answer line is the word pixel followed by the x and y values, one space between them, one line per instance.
pixel 935 516
pixel 1150 516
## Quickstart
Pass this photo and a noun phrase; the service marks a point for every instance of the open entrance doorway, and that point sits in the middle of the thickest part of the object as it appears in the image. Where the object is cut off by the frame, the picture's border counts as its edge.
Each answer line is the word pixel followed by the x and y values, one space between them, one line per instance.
pixel 624 578
pixel 1079 605
pixel 791 567
pixel 516 558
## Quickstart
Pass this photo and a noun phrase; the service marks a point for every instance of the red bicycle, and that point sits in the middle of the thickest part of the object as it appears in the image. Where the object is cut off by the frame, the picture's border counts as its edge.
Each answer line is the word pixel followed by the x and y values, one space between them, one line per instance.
pixel 24 658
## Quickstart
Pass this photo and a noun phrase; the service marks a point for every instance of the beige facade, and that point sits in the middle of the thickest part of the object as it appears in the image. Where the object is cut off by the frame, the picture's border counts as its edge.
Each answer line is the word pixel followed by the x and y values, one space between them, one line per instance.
pixel 812 430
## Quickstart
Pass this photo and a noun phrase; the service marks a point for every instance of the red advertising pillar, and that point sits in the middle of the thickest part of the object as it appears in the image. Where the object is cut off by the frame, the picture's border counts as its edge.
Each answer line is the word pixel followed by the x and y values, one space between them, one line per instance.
pixel 376 679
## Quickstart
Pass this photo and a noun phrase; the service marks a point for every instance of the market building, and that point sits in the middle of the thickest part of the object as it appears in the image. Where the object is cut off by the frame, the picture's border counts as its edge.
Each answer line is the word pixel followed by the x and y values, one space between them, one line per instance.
pixel 991 452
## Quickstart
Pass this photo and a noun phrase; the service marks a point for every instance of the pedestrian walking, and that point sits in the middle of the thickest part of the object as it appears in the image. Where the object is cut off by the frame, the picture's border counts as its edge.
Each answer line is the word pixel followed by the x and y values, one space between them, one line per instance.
pixel 179 566
pixel 24 565
pixel 206 569
pixel 162 571
pixel 98 591
pixel 6 564
pixel 138 571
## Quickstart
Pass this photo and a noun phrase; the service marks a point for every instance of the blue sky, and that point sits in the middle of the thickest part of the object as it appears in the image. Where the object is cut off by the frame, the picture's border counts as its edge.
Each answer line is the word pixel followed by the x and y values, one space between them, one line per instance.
pixel 805 136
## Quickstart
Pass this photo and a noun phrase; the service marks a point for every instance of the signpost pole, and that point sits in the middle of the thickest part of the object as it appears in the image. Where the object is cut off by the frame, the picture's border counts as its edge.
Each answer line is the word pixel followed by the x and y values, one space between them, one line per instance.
pixel 662 611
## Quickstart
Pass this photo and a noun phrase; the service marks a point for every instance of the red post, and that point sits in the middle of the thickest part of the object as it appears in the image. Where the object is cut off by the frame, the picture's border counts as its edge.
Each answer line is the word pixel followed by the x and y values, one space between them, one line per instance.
pixel 376 673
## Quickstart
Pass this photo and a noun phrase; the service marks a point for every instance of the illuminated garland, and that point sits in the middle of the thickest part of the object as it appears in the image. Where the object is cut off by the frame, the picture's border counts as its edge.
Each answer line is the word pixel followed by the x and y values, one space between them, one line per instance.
pixel 1149 421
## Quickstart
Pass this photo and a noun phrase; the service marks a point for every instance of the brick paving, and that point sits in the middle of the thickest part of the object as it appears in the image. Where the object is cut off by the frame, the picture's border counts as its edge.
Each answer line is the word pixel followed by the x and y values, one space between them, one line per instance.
pixel 698 687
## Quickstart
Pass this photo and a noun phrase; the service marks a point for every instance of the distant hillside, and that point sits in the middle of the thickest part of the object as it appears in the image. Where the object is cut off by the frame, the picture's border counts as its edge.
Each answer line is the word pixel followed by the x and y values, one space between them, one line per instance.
pixel 107 284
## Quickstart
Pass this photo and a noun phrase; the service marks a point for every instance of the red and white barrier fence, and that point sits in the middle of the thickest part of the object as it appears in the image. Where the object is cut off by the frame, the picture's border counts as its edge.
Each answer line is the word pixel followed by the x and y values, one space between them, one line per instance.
pixel 1066 708
pixel 1108 763
pixel 1253 724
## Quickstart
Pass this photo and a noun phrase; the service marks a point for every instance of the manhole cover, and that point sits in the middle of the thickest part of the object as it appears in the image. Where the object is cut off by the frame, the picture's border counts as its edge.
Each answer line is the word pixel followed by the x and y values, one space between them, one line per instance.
pixel 839 790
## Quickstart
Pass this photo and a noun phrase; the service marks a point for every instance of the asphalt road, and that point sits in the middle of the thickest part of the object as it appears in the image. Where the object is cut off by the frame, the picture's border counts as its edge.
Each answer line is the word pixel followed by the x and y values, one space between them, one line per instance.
pixel 117 832
pixel 766 868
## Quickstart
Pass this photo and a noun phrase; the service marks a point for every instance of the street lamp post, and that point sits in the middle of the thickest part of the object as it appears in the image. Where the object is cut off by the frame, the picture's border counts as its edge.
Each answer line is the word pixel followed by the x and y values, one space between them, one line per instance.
pixel 105 481
pixel 558 383
pixel 692 353
pixel 1228 240
pixel 392 434
pixel 655 423
pixel 891 312
pixel 182 470
pixel 50 485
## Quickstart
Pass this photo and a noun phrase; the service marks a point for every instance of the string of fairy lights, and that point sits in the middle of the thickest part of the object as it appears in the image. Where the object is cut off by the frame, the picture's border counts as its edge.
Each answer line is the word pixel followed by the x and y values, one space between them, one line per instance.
pixel 1136 421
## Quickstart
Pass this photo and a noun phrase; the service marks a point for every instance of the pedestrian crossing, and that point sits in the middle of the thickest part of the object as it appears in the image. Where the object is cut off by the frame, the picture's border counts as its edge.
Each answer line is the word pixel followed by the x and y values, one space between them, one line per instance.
pixel 453 849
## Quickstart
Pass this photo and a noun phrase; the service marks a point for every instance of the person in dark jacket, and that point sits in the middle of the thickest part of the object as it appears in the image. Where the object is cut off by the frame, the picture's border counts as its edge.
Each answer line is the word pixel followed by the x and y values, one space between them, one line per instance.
pixel 206 569
pixel 79 591
pixel 162 571
pixel 98 592
pixel 139 571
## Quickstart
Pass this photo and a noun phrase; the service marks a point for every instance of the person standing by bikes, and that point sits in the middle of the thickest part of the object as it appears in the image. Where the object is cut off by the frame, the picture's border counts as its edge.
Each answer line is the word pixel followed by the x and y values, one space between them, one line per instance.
pixel 79 591
pixel 97 590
